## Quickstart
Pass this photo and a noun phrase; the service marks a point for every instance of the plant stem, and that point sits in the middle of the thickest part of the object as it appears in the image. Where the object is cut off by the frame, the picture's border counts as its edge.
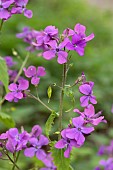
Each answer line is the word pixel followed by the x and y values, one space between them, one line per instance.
pixel 40 101
pixel 62 97
pixel 2 21
pixel 15 160
pixel 21 69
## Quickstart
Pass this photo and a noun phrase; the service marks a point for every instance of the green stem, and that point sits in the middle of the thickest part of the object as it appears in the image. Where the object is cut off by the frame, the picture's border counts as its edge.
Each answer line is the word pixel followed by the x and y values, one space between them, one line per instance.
pixel 2 21
pixel 40 101
pixel 15 160
pixel 21 69
pixel 62 97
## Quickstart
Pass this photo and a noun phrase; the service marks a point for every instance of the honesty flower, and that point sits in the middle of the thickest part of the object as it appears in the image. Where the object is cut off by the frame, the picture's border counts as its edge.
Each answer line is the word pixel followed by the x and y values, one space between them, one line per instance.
pixel 16 141
pixel 17 90
pixel 9 61
pixel 4 11
pixel 34 74
pixel 87 90
pixel 36 147
pixel 48 161
pixel 57 50
pixel 79 130
pixel 90 116
pixel 79 39
pixel 67 143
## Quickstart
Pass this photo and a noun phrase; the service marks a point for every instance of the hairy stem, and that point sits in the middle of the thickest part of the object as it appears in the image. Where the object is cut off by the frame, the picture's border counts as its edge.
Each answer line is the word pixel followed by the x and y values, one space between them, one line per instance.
pixel 62 97
pixel 40 101
pixel 15 160
pixel 21 69
pixel 2 21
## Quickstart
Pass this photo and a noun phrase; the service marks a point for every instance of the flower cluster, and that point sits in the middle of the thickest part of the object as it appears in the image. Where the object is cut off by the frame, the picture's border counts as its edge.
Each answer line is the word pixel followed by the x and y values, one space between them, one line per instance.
pixel 108 151
pixel 10 7
pixel 74 135
pixel 52 44
pixel 31 143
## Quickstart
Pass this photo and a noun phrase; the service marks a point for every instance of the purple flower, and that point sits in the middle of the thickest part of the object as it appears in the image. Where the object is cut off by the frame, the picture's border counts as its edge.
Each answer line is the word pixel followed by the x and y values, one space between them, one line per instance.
pixel 79 39
pixel 48 161
pixel 56 49
pixel 49 33
pixel 36 147
pixel 77 133
pixel 36 131
pixel 97 168
pixel 4 11
pixel 67 143
pixel 9 61
pixel 107 164
pixel 17 90
pixel 34 74
pixel 87 90
pixel 20 7
pixel 16 141
pixel 90 116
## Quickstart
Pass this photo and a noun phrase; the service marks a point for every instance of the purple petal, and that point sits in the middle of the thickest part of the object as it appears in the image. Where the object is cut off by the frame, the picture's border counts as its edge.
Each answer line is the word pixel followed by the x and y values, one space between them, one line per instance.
pixel 90 37
pixel 23 84
pixel 67 152
pixel 80 29
pixel 18 95
pixel 87 130
pixel 79 137
pixel 29 152
pixel 40 154
pixel 36 131
pixel 41 71
pixel 35 81
pixel 70 133
pixel 85 89
pixel 48 55
pixel 10 147
pixel 64 43
pixel 70 46
pixel 9 97
pixel 53 44
pixel 84 101
pixel 31 71
pixel 89 111
pixel 4 14
pixel 93 99
pixel 97 120
pixel 13 87
pixel 13 132
pixel 78 121
pixel 75 39
pixel 79 50
pixel 60 144
pixel 28 13
pixel 62 57
pixel 33 141
pixel 43 140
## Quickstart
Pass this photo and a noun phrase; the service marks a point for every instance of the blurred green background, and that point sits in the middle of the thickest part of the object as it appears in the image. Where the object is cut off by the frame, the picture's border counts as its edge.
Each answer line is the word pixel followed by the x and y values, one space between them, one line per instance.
pixel 97 65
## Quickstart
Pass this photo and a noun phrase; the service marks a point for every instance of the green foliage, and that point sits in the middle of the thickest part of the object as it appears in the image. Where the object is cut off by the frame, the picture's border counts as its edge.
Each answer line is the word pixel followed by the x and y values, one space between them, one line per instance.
pixel 60 161
pixel 4 74
pixel 7 120
pixel 49 123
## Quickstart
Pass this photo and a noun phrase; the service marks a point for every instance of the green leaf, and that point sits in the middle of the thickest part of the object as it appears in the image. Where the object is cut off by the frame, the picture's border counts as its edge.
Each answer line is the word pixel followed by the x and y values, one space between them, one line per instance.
pixel 60 161
pixel 49 123
pixel 7 120
pixel 4 73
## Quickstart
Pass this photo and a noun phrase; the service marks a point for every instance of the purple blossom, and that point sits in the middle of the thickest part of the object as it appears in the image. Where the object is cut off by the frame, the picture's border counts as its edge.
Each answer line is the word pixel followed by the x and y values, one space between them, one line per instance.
pixel 4 11
pixel 87 90
pixel 16 141
pixel 79 39
pixel 9 61
pixel 20 7
pixel 58 50
pixel 34 74
pixel 36 147
pixel 90 116
pixel 67 143
pixel 77 133
pixel 107 164
pixel 36 131
pixel 17 90
pixel 48 161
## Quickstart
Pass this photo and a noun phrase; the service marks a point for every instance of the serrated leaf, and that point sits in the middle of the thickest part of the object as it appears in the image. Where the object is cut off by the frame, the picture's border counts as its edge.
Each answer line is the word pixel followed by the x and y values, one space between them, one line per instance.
pixel 4 73
pixel 60 161
pixel 7 120
pixel 49 123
